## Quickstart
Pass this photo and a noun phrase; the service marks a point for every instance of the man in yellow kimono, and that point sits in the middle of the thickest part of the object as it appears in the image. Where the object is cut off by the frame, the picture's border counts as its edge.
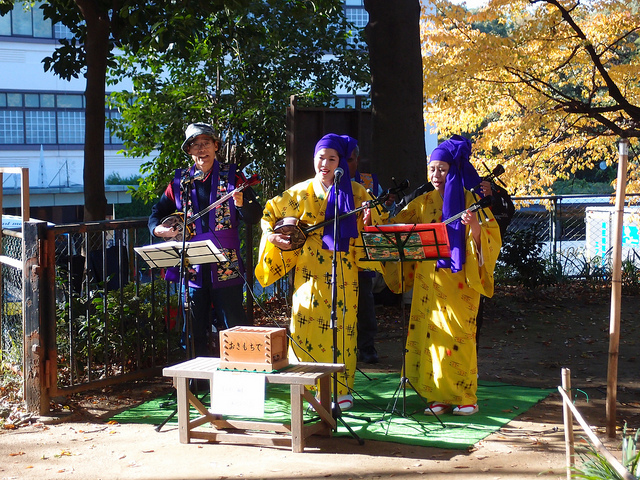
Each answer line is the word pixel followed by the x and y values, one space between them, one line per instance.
pixel 441 361
pixel 312 202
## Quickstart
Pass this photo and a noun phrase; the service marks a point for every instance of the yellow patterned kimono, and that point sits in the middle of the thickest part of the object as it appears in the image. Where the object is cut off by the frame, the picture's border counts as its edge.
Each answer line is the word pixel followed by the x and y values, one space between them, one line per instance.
pixel 441 360
pixel 311 333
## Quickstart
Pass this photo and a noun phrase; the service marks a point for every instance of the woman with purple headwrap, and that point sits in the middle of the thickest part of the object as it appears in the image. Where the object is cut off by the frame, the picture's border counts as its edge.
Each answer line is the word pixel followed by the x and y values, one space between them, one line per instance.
pixel 313 202
pixel 441 361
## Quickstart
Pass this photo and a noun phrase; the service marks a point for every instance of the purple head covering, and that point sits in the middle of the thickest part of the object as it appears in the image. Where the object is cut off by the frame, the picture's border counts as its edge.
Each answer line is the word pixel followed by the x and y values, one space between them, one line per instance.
pixel 348 225
pixel 456 152
pixel 352 143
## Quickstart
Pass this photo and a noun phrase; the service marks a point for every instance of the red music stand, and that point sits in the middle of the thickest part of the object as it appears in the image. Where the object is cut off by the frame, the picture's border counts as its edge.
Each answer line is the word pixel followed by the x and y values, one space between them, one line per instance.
pixel 406 243
pixel 410 242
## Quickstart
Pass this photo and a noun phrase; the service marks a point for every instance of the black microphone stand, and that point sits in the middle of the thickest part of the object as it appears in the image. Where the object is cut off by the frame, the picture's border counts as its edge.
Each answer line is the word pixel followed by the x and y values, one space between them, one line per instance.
pixel 185 299
pixel 336 410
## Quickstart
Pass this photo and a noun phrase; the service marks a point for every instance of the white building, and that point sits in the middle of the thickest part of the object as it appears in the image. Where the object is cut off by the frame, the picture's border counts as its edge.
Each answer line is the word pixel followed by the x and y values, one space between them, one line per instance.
pixel 42 123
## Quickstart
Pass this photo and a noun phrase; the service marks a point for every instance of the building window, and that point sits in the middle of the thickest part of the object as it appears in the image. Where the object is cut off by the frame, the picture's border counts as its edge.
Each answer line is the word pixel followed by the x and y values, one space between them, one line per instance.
pixel 46 119
pixel 356 15
pixel 40 127
pixel 30 23
pixel 11 127
pixel 70 127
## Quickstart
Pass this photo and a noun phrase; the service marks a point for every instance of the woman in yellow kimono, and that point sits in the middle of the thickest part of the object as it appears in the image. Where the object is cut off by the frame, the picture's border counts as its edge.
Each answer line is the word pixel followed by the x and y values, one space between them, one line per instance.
pixel 312 202
pixel 441 361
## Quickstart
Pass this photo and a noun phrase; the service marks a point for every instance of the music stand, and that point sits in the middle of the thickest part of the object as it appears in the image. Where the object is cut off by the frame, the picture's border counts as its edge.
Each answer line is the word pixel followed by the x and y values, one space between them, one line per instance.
pixel 172 254
pixel 406 243
pixel 168 254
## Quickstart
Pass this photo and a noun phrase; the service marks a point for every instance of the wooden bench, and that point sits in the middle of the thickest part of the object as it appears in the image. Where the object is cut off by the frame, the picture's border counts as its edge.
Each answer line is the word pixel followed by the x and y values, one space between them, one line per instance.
pixel 297 376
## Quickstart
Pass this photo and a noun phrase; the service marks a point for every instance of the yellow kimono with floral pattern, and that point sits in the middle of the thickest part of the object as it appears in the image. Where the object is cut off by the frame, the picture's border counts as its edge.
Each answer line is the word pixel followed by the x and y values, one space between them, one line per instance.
pixel 441 359
pixel 310 328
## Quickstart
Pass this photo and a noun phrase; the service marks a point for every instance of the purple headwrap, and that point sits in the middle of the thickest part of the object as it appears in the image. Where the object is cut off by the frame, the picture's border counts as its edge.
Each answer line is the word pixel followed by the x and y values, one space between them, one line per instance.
pixel 456 152
pixel 348 225
pixel 352 143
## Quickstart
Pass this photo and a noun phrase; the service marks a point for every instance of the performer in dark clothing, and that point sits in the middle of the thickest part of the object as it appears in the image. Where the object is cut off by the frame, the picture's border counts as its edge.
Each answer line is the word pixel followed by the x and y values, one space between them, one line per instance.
pixel 216 285
pixel 367 322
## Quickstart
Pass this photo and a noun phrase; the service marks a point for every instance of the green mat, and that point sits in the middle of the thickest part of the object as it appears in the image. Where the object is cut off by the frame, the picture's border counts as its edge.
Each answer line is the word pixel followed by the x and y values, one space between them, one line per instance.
pixel 375 396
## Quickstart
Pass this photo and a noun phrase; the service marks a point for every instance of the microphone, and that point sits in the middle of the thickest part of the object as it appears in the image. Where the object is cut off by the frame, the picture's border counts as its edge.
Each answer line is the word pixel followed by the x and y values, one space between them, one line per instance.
pixel 198 176
pixel 338 174
pixel 398 188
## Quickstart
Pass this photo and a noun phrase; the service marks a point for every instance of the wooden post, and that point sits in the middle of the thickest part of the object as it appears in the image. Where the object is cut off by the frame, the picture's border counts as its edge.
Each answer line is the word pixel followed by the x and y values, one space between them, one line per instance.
pixel 34 359
pixel 616 289
pixel 568 424
pixel 595 441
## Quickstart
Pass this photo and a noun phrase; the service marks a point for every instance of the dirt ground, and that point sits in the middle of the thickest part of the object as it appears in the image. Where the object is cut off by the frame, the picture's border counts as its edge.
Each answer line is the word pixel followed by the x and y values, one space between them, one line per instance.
pixel 526 338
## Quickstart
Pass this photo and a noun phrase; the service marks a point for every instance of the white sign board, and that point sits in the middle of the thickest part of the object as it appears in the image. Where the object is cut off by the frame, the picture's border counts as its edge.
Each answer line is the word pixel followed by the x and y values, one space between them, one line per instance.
pixel 238 393
pixel 600 225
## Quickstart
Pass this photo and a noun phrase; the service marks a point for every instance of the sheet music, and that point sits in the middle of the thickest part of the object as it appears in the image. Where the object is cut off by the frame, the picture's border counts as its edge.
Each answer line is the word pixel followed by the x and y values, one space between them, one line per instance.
pixel 416 241
pixel 167 254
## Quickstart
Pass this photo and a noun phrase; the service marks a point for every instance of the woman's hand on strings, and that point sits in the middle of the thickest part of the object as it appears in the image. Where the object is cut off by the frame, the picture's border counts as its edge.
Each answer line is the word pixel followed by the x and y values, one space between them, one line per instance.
pixel 163 232
pixel 471 219
pixel 281 241
pixel 367 213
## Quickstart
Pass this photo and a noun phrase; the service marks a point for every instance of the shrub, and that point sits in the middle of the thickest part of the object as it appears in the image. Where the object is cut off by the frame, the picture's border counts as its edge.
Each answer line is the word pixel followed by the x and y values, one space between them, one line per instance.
pixel 521 260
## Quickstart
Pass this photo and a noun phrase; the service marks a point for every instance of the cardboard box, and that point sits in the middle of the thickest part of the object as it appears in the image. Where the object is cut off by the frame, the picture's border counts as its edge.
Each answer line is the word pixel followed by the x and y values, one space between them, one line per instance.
pixel 262 349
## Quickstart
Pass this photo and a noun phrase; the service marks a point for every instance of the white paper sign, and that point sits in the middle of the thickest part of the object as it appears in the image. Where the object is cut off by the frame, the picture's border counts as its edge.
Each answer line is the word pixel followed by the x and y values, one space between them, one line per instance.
pixel 238 393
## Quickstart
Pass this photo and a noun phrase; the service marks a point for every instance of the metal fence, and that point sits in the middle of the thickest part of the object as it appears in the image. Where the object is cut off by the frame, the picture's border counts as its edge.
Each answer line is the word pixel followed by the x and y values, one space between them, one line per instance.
pixel 113 313
pixel 575 229
pixel 11 328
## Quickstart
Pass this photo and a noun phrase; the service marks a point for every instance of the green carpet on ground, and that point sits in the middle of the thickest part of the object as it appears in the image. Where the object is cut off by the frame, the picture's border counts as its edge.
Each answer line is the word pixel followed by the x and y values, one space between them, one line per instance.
pixel 375 397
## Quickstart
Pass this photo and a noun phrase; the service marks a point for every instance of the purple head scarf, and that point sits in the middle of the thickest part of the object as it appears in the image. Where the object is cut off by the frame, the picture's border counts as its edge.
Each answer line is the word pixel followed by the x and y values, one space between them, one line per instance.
pixel 456 152
pixel 348 225
pixel 352 143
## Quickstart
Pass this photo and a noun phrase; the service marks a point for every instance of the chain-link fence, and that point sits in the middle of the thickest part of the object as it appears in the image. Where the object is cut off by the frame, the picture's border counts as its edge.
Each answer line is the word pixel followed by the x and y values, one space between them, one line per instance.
pixel 576 231
pixel 12 334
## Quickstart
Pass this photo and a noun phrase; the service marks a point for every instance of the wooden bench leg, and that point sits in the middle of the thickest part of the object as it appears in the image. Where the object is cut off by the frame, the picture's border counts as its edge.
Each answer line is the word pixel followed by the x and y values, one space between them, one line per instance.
pixel 297 425
pixel 326 398
pixel 182 387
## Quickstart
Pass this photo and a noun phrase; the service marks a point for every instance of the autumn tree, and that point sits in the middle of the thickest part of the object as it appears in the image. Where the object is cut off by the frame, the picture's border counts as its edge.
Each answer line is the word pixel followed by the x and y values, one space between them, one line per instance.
pixel 98 28
pixel 238 74
pixel 545 87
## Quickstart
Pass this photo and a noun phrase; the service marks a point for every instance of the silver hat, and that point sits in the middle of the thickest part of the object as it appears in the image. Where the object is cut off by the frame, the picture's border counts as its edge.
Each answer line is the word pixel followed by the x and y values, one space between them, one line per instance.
pixel 196 129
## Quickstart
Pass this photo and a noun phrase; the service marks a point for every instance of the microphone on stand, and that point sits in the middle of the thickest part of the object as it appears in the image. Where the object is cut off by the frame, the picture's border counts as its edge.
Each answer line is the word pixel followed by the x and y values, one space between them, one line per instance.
pixel 199 175
pixel 338 174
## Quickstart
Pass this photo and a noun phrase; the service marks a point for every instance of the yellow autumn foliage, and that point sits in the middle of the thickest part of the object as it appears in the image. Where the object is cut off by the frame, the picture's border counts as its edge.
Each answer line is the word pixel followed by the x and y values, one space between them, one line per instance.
pixel 545 87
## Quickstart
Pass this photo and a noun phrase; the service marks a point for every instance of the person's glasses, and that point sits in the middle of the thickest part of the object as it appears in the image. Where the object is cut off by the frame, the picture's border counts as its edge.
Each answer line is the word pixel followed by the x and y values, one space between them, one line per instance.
pixel 199 146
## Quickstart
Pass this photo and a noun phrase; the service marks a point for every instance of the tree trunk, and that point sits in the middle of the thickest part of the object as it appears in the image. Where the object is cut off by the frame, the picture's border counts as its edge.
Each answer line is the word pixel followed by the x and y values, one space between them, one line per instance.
pixel 97 52
pixel 393 36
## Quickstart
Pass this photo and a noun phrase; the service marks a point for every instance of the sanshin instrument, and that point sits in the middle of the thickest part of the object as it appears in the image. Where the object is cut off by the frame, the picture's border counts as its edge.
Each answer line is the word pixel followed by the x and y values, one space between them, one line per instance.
pixel 298 231
pixel 176 220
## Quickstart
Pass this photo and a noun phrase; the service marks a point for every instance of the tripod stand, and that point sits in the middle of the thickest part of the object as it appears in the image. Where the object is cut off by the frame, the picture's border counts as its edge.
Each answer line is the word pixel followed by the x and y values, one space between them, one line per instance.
pixel 402 243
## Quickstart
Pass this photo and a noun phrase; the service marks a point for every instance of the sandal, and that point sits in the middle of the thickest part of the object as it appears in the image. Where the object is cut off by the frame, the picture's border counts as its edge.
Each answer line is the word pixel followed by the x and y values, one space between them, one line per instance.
pixel 465 409
pixel 436 408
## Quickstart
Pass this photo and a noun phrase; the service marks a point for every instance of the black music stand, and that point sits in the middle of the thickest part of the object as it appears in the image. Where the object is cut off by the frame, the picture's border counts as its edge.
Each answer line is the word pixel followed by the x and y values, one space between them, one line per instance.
pixel 175 253
pixel 181 253
pixel 406 243
pixel 168 254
